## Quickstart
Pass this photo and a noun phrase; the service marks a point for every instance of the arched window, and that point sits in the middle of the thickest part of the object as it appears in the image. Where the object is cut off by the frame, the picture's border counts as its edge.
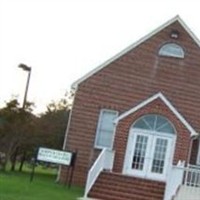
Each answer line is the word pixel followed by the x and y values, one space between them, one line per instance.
pixel 156 123
pixel 172 50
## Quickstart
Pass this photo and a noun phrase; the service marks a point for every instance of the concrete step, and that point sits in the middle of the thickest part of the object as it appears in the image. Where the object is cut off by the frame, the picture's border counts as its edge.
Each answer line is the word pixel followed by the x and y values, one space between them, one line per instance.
pixel 188 193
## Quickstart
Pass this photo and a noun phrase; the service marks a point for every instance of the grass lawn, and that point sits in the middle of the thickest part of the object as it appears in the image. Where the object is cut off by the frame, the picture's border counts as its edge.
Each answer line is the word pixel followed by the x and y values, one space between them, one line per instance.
pixel 16 186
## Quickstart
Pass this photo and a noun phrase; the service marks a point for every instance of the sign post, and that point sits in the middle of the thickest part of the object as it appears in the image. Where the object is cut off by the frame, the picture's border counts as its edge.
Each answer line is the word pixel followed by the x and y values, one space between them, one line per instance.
pixel 72 169
pixel 33 165
pixel 33 170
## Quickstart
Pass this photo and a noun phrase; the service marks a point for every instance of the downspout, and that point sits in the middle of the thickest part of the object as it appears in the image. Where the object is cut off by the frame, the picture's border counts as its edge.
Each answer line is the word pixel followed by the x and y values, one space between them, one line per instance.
pixel 192 138
pixel 69 121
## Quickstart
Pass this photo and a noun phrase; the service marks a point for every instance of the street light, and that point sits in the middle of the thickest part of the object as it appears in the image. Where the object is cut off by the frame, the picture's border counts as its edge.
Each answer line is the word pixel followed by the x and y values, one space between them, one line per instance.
pixel 28 69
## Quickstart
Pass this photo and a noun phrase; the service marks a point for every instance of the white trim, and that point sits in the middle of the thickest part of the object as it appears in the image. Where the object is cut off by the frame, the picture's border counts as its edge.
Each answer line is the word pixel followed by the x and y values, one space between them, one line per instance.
pixel 129 48
pixel 167 103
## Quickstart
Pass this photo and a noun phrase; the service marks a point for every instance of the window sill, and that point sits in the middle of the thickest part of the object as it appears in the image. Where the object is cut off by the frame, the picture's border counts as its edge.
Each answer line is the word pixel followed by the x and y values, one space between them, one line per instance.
pixel 101 148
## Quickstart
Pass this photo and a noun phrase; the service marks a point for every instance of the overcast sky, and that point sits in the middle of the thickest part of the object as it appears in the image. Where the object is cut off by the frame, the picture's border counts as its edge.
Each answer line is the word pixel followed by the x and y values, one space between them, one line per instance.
pixel 62 40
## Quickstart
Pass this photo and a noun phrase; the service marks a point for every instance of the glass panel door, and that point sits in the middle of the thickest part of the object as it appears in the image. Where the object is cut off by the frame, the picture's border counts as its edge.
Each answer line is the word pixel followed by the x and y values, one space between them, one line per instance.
pixel 148 155
pixel 159 156
pixel 139 152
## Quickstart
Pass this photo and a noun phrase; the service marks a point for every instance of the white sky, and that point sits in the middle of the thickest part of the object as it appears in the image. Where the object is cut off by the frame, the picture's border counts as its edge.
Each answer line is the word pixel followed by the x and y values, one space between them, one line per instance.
pixel 62 40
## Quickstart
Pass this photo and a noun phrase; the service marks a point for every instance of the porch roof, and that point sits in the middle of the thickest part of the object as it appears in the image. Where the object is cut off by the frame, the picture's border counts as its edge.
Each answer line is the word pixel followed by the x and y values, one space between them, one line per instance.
pixel 167 103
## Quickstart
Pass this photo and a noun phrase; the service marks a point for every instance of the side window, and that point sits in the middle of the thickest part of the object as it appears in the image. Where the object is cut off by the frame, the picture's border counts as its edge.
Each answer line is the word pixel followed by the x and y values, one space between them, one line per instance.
pixel 105 129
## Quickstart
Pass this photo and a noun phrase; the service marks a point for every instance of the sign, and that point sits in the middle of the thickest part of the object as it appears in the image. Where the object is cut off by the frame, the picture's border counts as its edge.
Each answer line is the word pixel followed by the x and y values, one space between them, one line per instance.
pixel 54 156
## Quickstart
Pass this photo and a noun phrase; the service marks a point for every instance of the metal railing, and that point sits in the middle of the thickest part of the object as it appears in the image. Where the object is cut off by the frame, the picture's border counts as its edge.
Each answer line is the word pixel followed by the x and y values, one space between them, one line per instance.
pixel 104 161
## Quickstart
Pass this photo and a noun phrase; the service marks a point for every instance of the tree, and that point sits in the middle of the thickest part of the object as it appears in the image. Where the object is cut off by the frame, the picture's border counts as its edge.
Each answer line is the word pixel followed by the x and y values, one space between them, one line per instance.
pixel 52 124
pixel 21 131
pixel 15 128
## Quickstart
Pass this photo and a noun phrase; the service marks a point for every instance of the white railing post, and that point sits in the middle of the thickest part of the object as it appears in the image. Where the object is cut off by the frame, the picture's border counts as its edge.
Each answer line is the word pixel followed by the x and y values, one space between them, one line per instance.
pixel 186 176
pixel 104 161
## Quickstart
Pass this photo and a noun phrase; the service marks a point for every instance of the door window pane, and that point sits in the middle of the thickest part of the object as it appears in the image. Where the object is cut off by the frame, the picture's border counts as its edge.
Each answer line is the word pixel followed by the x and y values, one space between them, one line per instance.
pixel 159 155
pixel 139 152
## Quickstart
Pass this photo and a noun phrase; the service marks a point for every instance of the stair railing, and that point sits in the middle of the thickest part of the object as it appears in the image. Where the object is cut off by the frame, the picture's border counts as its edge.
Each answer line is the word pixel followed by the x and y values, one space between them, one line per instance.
pixel 104 161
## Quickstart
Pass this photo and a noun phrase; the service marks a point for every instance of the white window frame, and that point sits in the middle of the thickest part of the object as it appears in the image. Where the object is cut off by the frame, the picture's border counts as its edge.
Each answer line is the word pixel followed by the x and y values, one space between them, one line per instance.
pixel 98 129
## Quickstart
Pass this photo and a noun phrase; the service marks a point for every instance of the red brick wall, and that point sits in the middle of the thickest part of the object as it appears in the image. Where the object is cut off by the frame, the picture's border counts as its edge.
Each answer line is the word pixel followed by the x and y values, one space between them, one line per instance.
pixel 129 80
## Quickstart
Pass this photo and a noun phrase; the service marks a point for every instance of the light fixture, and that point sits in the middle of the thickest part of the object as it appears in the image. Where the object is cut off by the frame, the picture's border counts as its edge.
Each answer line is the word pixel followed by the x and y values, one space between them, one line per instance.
pixel 174 34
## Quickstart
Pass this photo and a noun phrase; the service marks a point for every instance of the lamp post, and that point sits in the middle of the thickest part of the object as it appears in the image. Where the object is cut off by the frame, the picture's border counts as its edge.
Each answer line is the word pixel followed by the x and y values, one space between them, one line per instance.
pixel 28 69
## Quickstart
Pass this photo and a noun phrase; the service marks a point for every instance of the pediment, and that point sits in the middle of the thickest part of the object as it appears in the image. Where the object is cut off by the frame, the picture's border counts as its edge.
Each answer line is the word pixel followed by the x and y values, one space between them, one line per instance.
pixel 167 103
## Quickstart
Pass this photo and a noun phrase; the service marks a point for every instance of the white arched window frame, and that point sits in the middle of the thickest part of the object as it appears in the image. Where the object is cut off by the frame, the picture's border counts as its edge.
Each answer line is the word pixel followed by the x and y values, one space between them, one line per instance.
pixel 172 50
pixel 154 122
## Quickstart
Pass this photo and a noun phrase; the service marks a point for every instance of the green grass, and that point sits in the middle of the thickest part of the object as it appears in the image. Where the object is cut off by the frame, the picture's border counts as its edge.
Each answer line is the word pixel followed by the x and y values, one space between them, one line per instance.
pixel 17 186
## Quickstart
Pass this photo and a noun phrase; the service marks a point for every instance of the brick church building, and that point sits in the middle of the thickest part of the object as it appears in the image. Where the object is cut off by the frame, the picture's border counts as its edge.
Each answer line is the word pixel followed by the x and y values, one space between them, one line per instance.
pixel 135 120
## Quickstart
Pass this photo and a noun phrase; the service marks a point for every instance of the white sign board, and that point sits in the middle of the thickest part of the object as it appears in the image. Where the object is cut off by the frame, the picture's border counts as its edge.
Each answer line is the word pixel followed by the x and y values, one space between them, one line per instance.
pixel 54 156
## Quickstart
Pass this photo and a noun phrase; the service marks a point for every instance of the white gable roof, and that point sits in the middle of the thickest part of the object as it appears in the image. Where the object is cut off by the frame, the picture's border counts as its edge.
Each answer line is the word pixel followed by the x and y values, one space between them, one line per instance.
pixel 176 18
pixel 167 103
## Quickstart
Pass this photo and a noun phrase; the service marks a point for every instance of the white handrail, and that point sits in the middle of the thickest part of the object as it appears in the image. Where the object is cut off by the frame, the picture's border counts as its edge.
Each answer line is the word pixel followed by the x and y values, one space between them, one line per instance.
pixel 194 166
pixel 104 161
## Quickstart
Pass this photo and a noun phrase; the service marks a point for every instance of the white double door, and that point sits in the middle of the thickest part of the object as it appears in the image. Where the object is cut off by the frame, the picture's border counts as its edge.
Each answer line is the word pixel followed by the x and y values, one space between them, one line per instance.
pixel 149 154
